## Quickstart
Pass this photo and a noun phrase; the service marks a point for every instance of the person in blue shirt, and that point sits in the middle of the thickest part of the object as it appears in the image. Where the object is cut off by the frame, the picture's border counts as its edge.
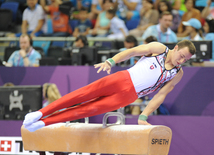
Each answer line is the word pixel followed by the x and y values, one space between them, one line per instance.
pixel 162 31
pixel 83 24
pixel 26 56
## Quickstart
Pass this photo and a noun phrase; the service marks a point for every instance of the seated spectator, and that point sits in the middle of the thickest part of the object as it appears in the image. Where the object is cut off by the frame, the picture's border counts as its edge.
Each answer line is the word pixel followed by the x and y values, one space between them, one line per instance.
pixel 164 5
pixel 60 21
pixel 50 93
pixel 102 25
pixel 192 12
pixel 162 31
pixel 175 4
pixel 117 25
pixel 193 29
pixel 150 39
pixel 149 16
pixel 83 25
pixel 209 33
pixel 26 56
pixel 84 4
pixel 127 9
pixel 129 42
pixel 96 8
pixel 81 41
pixel 33 20
pixel 8 84
pixel 201 4
pixel 208 11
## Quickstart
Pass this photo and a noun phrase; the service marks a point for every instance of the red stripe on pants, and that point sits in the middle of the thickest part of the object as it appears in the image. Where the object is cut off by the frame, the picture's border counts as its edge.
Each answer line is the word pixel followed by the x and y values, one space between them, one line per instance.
pixel 106 94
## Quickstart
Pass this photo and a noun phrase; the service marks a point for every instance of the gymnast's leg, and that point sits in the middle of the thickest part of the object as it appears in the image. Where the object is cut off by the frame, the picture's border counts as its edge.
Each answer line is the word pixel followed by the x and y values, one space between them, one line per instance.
pixel 103 87
pixel 90 108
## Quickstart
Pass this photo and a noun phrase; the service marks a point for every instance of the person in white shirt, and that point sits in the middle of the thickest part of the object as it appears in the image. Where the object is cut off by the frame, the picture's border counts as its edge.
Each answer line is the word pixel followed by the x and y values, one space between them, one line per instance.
pixel 33 21
pixel 117 25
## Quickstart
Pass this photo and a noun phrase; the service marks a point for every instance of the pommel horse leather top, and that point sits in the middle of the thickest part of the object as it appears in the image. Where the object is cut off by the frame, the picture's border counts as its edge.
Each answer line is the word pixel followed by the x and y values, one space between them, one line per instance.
pixel 94 138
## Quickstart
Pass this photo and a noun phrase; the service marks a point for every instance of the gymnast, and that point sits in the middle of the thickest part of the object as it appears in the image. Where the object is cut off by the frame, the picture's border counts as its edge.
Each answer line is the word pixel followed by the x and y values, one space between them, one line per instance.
pixel 158 69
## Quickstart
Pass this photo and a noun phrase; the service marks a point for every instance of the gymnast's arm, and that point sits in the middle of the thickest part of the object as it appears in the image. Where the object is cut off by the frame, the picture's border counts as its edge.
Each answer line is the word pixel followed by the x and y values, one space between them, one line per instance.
pixel 145 49
pixel 158 99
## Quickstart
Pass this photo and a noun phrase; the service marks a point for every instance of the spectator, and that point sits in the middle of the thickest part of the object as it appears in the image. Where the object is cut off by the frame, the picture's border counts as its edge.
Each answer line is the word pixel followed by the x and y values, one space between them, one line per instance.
pixel 208 11
pixel 130 42
pixel 102 25
pixel 83 25
pixel 127 9
pixel 149 16
pixel 26 56
pixel 201 4
pixel 84 4
pixel 191 13
pixel 117 26
pixel 96 7
pixel 8 84
pixel 193 29
pixel 209 33
pixel 150 39
pixel 175 4
pixel 81 41
pixel 33 20
pixel 162 31
pixel 60 21
pixel 50 93
pixel 164 5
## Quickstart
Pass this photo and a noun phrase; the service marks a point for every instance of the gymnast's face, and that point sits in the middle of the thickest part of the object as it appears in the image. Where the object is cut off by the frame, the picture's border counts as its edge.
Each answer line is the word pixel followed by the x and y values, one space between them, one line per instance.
pixel 181 55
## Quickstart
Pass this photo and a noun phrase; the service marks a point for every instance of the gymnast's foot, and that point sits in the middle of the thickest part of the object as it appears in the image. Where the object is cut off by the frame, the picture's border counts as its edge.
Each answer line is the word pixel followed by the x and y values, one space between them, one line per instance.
pixel 32 117
pixel 35 126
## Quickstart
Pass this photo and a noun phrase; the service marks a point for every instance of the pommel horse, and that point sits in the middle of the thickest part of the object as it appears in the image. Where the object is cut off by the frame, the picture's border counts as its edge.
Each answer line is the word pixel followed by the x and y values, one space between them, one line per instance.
pixel 100 138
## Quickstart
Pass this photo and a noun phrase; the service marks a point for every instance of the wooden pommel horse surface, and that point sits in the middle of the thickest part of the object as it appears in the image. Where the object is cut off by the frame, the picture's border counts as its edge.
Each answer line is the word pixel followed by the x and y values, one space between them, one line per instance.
pixel 98 138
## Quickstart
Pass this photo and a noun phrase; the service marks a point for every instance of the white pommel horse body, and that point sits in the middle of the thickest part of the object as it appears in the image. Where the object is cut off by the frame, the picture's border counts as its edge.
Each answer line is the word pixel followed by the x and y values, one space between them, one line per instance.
pixel 98 138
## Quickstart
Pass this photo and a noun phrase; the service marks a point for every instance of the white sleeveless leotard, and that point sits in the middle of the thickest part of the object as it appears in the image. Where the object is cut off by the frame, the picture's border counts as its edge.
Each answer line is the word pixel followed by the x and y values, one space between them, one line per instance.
pixel 149 73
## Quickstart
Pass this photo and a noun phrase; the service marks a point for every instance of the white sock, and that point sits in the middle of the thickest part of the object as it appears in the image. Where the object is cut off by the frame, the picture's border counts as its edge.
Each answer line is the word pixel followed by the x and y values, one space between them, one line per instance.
pixel 32 117
pixel 35 126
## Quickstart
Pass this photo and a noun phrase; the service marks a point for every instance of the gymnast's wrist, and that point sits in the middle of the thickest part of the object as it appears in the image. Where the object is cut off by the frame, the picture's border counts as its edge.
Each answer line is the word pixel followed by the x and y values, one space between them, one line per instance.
pixel 111 62
pixel 143 117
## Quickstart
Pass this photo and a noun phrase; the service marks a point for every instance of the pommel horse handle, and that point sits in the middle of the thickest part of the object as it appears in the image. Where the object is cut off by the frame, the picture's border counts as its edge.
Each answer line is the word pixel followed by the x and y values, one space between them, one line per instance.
pixel 121 117
pixel 100 138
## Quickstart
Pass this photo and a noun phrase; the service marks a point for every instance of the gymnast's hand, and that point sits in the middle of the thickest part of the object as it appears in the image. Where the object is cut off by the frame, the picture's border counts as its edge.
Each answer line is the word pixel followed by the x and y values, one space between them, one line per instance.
pixel 105 66
pixel 140 122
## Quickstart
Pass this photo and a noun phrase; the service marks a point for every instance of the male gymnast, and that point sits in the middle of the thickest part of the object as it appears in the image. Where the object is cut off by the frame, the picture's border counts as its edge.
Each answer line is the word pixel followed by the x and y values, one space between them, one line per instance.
pixel 158 69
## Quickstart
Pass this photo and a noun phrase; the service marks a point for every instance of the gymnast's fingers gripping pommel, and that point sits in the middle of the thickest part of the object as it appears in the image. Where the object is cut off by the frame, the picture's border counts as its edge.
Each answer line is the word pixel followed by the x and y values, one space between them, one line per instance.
pixel 140 122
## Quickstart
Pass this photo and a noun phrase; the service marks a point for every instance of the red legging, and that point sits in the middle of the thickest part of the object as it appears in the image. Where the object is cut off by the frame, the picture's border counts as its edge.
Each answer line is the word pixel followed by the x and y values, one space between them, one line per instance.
pixel 106 94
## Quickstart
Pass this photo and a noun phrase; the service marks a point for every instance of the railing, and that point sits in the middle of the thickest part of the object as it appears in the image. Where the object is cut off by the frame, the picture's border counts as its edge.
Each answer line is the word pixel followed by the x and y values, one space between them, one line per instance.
pixel 66 39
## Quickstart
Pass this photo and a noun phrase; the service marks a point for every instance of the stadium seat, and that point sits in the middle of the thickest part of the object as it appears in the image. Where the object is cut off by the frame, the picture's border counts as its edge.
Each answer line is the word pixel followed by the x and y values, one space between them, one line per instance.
pixel 13 6
pixel 40 50
pixel 55 52
pixel 58 43
pixel 64 61
pixel 8 51
pixel 43 44
pixel 132 24
pixel 48 61
pixel 104 45
pixel 6 17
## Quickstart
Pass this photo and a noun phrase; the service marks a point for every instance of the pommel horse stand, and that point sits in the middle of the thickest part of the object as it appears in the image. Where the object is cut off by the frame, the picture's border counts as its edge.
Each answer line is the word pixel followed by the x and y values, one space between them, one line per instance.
pixel 97 138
